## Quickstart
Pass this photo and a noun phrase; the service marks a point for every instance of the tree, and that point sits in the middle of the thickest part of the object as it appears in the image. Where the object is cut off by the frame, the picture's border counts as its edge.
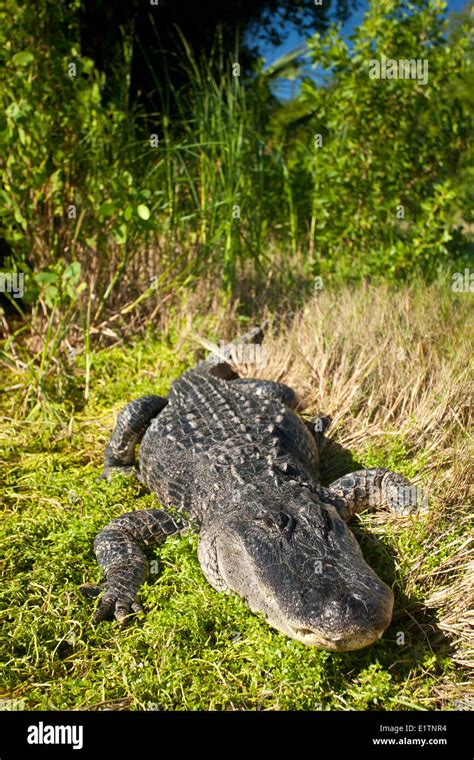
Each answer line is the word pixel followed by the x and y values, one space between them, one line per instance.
pixel 146 33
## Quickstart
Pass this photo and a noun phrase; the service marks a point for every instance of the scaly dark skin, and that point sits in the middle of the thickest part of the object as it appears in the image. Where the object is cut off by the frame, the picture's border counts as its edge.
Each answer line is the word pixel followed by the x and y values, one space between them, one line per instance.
pixel 235 460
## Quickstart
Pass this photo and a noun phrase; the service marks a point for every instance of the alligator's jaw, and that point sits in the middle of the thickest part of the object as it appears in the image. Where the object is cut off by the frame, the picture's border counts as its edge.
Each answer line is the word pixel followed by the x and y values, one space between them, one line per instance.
pixel 360 634
pixel 321 637
pixel 347 644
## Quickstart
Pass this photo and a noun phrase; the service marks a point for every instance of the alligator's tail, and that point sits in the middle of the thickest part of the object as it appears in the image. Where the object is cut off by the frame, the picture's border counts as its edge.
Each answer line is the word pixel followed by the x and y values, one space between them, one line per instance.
pixel 218 362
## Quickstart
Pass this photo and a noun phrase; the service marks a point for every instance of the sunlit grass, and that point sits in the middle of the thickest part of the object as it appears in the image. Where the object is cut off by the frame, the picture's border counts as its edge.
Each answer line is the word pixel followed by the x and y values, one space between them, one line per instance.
pixel 197 649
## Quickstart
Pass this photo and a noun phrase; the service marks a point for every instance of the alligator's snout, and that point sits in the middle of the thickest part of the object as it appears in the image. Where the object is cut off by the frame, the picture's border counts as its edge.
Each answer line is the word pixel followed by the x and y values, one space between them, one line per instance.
pixel 349 623
pixel 307 575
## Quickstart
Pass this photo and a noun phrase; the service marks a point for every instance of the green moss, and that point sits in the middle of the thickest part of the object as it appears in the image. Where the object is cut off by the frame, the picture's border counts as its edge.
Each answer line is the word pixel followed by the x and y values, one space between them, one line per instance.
pixel 195 649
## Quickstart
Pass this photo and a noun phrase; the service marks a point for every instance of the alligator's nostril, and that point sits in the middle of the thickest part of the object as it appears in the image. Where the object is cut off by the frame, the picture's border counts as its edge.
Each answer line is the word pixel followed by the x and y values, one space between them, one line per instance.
pixel 283 520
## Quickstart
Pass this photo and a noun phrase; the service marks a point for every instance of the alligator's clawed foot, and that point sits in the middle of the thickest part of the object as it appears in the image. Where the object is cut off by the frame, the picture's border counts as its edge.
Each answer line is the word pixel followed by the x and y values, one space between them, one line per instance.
pixel 110 607
pixel 403 498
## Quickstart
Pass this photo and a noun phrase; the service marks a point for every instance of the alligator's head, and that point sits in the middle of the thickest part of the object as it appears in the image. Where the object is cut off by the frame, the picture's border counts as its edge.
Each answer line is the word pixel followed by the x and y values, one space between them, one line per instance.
pixel 298 563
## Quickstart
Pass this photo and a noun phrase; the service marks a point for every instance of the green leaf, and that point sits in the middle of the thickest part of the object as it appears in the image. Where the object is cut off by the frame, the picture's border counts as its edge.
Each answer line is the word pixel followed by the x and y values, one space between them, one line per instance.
pixel 72 272
pixel 46 276
pixel 120 234
pixel 23 59
pixel 143 212
pixel 51 295
pixel 107 209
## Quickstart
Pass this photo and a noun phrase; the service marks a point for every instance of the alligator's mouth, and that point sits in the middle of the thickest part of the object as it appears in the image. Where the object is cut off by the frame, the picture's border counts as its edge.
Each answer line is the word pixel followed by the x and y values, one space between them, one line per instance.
pixel 344 644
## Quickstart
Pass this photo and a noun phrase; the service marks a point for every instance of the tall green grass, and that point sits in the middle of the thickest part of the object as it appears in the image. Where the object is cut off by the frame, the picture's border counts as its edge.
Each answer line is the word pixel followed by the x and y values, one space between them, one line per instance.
pixel 212 183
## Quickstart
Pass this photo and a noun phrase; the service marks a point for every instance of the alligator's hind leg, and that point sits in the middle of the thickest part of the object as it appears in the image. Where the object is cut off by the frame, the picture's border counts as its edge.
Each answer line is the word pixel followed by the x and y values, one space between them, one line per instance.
pixel 130 428
pixel 372 488
pixel 118 548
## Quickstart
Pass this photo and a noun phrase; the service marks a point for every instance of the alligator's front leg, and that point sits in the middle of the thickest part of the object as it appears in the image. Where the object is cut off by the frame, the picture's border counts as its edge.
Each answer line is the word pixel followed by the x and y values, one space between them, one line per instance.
pixel 372 488
pixel 131 425
pixel 118 548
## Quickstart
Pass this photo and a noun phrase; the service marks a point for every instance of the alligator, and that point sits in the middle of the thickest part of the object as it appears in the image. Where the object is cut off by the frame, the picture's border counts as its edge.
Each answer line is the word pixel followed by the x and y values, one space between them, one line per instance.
pixel 231 457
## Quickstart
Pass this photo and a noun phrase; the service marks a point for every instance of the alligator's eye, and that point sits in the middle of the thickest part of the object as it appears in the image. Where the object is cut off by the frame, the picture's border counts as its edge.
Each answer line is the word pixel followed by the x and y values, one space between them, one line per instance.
pixel 266 520
pixel 278 522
